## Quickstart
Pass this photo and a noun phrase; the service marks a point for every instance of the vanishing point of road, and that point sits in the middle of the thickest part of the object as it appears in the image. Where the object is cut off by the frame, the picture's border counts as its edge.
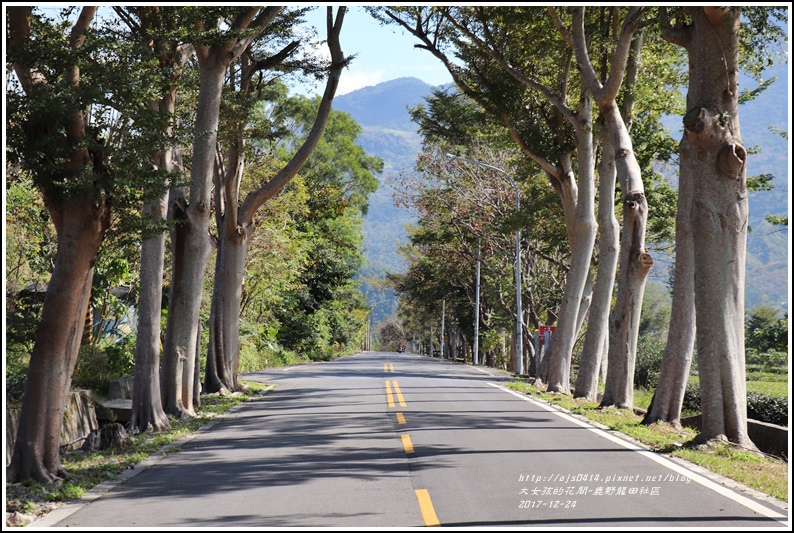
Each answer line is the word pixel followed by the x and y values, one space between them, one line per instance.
pixel 399 440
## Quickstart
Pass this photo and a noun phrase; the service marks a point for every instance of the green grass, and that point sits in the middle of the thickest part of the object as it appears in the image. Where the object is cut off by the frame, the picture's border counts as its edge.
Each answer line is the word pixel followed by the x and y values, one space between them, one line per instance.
pixel 772 388
pixel 781 377
pixel 642 398
pixel 765 474
pixel 762 382
pixel 85 470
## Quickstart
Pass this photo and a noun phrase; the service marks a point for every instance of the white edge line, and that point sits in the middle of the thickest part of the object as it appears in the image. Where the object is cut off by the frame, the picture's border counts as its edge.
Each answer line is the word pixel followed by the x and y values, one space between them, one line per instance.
pixel 481 370
pixel 747 502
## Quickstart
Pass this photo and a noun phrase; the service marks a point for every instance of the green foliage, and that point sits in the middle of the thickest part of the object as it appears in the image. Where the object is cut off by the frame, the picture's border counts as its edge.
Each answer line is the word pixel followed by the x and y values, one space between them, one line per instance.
pixel 17 359
pixel 769 360
pixel 121 356
pixel 764 331
pixel 764 407
pixel 30 236
pixel 656 308
pixel 767 408
pixel 99 364
pixel 301 289
pixel 648 363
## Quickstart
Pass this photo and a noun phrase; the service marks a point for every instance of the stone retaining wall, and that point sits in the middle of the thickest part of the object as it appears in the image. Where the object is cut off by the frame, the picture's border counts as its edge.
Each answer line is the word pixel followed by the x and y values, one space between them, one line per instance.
pixel 79 420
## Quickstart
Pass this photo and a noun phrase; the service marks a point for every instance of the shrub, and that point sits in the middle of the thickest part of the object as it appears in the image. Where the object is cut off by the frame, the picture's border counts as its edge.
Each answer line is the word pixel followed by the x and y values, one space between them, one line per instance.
pixel 98 365
pixel 17 362
pixel 761 407
pixel 648 363
pixel 767 408
pixel 769 360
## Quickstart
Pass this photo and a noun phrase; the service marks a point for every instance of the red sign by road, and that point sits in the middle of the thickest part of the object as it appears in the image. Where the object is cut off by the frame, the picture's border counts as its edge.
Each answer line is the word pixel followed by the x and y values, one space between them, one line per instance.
pixel 542 330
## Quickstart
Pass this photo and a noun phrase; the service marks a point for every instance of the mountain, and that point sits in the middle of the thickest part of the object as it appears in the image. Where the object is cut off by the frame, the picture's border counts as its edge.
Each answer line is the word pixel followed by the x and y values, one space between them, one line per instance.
pixel 382 112
pixel 767 276
pixel 388 132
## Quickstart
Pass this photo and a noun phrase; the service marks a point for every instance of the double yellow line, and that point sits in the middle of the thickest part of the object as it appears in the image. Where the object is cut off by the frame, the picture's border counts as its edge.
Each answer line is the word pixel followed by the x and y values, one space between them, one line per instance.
pixel 422 495
pixel 388 367
pixel 397 391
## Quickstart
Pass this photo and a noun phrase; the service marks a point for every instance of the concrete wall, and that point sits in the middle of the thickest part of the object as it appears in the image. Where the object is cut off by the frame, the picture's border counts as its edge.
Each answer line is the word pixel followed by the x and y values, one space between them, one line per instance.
pixel 79 420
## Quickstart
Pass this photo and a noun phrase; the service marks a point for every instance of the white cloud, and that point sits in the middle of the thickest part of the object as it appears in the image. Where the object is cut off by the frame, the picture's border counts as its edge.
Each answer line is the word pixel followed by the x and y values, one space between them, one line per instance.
pixel 356 79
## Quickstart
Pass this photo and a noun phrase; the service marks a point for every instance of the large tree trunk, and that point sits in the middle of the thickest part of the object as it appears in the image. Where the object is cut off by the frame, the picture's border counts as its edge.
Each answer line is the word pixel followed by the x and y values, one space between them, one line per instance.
pixel 634 265
pixel 582 242
pixel 81 216
pixel 191 239
pixel 236 227
pixel 597 337
pixel 677 358
pixel 192 247
pixel 712 145
pixel 634 261
pixel 147 405
pixel 58 335
pixel 223 355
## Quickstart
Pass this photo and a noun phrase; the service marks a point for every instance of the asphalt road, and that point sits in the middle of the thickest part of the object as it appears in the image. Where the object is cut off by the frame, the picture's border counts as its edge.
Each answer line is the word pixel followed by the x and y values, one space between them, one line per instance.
pixel 399 440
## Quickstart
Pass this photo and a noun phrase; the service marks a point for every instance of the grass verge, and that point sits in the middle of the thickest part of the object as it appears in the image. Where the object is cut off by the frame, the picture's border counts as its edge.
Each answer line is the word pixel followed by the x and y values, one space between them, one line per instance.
pixel 85 470
pixel 762 473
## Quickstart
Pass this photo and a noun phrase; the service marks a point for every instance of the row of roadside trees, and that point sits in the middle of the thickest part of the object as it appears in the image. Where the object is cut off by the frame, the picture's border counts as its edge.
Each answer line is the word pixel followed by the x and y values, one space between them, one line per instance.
pixel 569 101
pixel 145 126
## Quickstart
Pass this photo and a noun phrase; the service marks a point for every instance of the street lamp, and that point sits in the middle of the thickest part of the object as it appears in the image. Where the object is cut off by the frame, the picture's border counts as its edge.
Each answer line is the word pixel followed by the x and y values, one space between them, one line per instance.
pixel 519 327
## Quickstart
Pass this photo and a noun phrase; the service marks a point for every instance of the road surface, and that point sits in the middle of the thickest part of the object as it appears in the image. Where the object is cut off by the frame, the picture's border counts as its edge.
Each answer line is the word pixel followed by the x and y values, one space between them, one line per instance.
pixel 399 440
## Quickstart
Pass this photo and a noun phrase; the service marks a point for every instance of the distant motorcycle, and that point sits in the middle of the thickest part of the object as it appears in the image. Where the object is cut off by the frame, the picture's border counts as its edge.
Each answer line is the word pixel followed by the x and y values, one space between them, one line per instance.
pixel 401 348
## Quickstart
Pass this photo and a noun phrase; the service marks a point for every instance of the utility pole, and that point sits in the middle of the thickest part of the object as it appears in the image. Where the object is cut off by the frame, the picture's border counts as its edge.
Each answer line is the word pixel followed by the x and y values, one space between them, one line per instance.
pixel 475 356
pixel 443 312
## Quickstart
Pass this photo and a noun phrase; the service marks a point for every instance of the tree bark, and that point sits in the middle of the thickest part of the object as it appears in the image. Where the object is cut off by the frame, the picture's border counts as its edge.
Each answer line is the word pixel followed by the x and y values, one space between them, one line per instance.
pixel 236 227
pixel 223 355
pixel 677 358
pixel 191 244
pixel 634 261
pixel 191 239
pixel 582 243
pixel 712 145
pixel 58 335
pixel 634 266
pixel 597 337
pixel 147 407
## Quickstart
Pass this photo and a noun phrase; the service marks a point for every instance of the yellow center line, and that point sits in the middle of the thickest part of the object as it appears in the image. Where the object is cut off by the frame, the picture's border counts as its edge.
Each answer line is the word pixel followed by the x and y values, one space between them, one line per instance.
pixel 389 397
pixel 391 365
pixel 399 395
pixel 407 444
pixel 426 507
pixel 400 418
pixel 385 367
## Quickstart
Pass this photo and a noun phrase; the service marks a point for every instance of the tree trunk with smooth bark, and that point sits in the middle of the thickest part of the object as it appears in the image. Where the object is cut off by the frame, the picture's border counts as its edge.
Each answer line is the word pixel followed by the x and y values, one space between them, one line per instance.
pixel 147 406
pixel 223 355
pixel 677 357
pixel 634 265
pixel 713 147
pixel 236 226
pixel 582 243
pixel 597 336
pixel 191 238
pixel 191 248
pixel 634 261
pixel 58 336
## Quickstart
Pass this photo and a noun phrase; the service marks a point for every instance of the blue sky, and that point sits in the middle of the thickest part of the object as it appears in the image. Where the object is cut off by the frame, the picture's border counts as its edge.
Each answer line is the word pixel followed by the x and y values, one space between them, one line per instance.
pixel 382 53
